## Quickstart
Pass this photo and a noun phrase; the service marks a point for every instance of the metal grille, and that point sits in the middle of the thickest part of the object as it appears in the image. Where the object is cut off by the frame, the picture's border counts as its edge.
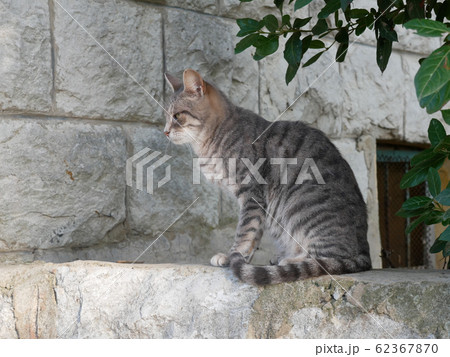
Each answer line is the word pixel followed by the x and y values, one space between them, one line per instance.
pixel 398 248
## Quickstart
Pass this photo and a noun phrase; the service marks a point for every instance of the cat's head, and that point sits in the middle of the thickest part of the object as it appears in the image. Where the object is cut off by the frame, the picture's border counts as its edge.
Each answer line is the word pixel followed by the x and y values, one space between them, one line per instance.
pixel 195 109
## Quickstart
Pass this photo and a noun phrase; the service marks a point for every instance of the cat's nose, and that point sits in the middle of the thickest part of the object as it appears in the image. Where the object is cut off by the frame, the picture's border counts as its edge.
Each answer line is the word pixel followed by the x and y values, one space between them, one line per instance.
pixel 167 133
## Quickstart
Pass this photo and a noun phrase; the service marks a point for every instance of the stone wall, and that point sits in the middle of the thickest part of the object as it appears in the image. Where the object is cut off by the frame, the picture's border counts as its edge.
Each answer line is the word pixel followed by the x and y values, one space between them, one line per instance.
pixel 176 301
pixel 72 112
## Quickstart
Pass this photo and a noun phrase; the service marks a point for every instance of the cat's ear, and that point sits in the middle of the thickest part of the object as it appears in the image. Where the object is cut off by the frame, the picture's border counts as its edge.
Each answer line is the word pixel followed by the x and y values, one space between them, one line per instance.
pixel 193 83
pixel 173 82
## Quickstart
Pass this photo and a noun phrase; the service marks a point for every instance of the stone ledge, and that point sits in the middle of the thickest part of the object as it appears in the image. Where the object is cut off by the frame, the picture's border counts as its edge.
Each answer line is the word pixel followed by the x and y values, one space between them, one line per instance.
pixel 88 299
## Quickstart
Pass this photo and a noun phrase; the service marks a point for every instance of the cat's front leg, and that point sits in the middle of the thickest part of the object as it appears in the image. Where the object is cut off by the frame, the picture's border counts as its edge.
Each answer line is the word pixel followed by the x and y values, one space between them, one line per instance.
pixel 220 260
pixel 248 233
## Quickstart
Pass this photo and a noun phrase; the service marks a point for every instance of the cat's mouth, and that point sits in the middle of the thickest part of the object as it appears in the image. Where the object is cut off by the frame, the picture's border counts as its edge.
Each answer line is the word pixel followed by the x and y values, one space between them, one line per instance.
pixel 177 139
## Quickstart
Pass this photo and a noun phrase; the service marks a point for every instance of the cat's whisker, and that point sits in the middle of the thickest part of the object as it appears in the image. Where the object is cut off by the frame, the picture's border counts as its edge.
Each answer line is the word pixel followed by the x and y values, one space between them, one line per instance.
pixel 190 151
pixel 187 132
pixel 168 145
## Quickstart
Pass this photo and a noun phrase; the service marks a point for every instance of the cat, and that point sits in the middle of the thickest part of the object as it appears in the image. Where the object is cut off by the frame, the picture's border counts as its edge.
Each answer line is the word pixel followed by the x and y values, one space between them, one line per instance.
pixel 319 225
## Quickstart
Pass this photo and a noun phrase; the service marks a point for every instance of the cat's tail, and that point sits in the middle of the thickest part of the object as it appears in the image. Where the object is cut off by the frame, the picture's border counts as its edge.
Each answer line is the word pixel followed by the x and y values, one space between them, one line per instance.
pixel 307 268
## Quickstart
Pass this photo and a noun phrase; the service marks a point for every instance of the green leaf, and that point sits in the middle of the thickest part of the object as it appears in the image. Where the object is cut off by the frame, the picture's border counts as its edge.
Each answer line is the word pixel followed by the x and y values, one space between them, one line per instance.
pixel 257 57
pixel 422 156
pixel 271 22
pixel 342 36
pixel 433 76
pixel 427 28
pixel 320 27
pixel 301 22
pixel 246 42
pixel 291 72
pixel 305 44
pixel 412 213
pixel 443 147
pixel 416 202
pixel 293 50
pixel 445 235
pixel 444 197
pixel 438 246
pixel 329 8
pixel 419 173
pixel 383 4
pixel 286 20
pixel 360 29
pixel 386 29
pixel 434 181
pixel 248 26
pixel 341 52
pixel 384 49
pixel 301 3
pixel 312 59
pixel 279 5
pixel 443 11
pixel 358 13
pixel 433 217
pixel 446 253
pixel 316 44
pixel 446 215
pixel 399 18
pixel 345 3
pixel 415 223
pixel 436 101
pixel 415 9
pixel 436 132
pixel 265 46
pixel 446 115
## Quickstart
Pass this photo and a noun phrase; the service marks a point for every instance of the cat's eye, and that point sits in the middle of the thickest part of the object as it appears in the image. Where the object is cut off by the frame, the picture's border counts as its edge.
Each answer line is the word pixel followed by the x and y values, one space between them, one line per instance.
pixel 177 116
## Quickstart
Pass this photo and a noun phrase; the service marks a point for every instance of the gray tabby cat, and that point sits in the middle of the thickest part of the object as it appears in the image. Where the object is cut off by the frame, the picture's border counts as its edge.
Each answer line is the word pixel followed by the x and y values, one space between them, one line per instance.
pixel 319 227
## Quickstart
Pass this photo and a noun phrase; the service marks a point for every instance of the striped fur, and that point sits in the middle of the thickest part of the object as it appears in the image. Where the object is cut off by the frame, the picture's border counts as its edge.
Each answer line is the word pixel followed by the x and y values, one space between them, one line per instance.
pixel 318 228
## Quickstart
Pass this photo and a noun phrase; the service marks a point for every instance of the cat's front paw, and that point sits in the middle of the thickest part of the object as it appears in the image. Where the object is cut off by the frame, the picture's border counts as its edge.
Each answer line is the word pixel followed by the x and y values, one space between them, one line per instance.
pixel 274 260
pixel 220 260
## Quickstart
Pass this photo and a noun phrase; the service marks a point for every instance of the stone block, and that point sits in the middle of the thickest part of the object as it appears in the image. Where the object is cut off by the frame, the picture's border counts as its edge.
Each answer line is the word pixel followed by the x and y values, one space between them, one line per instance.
pixel 63 183
pixel 177 245
pixel 314 96
pixel 175 293
pixel 34 305
pixel 373 101
pixel 25 56
pixel 407 39
pixel 7 328
pixel 104 300
pixel 89 83
pixel 356 160
pixel 367 145
pixel 151 214
pixel 205 6
pixel 194 41
pixel 255 10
